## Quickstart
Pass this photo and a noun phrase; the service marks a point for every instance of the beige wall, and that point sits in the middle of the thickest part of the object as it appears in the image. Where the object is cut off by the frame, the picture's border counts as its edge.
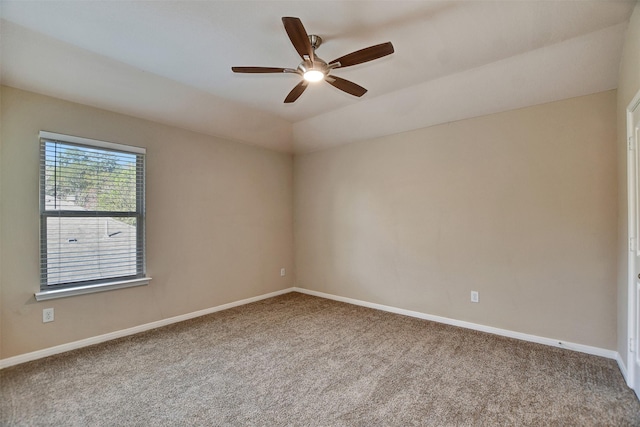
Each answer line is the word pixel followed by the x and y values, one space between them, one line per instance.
pixel 219 223
pixel 520 206
pixel 628 86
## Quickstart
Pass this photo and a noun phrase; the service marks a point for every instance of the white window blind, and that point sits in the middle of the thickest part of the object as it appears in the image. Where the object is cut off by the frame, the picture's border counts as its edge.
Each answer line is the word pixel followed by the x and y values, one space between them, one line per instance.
pixel 91 212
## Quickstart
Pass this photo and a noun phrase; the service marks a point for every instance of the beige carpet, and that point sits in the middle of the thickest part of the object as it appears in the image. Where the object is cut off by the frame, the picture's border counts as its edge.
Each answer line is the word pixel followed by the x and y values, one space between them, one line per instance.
pixel 305 361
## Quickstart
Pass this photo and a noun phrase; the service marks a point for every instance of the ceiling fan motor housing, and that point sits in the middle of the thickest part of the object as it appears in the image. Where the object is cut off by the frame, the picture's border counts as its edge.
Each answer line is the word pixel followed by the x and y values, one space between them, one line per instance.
pixel 310 69
pixel 317 65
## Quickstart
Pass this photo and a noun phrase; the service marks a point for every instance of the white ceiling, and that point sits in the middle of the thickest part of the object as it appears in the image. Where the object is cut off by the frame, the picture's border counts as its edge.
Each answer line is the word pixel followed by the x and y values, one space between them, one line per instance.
pixel 171 61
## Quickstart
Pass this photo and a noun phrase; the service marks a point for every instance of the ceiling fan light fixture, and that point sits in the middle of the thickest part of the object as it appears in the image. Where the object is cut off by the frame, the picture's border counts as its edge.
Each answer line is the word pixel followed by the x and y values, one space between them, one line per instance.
pixel 314 69
pixel 313 75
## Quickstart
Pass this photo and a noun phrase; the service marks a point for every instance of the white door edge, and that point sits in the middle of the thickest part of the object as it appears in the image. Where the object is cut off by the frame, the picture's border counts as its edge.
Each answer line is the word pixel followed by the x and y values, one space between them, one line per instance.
pixel 632 237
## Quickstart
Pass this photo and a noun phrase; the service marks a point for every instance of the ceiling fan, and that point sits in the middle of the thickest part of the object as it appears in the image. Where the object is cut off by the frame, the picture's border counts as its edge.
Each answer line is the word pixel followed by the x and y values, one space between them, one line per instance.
pixel 314 69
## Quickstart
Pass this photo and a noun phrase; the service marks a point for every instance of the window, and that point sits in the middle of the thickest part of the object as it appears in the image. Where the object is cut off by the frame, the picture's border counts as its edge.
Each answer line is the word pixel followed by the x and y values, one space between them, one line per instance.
pixel 91 216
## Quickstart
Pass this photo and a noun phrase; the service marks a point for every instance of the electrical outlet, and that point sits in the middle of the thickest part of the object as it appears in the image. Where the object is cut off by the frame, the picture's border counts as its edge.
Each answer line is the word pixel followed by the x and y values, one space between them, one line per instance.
pixel 282 272
pixel 475 296
pixel 47 315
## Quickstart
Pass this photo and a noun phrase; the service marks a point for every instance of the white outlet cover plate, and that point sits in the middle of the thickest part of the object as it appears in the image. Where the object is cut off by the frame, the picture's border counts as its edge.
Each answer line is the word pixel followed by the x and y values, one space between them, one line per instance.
pixel 475 296
pixel 47 315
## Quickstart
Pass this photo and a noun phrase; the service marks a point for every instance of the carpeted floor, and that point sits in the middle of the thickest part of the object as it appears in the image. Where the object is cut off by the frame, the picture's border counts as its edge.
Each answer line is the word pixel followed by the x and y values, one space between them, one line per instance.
pixel 305 361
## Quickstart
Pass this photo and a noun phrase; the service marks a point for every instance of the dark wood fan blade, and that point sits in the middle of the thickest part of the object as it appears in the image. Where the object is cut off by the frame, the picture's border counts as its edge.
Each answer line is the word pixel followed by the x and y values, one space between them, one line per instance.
pixel 346 86
pixel 296 92
pixel 298 36
pixel 364 55
pixel 262 70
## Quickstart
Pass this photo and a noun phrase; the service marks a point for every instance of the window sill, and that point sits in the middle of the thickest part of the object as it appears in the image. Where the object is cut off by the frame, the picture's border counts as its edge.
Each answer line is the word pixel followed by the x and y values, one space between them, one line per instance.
pixel 90 289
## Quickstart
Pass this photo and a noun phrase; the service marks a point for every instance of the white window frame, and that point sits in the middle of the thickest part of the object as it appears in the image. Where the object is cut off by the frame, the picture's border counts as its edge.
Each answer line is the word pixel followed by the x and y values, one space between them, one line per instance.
pixel 67 290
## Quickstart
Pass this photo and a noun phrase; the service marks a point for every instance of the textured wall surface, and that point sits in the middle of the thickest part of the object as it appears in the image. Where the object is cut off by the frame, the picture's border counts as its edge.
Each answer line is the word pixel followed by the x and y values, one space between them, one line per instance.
pixel 219 223
pixel 520 206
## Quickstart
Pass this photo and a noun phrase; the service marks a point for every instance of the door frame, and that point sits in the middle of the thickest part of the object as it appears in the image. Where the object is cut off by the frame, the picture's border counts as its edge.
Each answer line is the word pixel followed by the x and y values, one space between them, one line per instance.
pixel 633 243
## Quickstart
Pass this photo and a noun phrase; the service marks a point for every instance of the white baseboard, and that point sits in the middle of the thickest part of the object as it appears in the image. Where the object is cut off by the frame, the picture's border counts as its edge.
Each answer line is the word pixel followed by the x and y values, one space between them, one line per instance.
pixel 27 357
pixel 39 354
pixel 622 367
pixel 610 354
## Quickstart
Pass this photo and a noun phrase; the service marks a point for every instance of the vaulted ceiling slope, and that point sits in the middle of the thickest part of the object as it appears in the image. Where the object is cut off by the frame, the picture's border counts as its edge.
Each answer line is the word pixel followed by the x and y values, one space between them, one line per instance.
pixel 171 61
